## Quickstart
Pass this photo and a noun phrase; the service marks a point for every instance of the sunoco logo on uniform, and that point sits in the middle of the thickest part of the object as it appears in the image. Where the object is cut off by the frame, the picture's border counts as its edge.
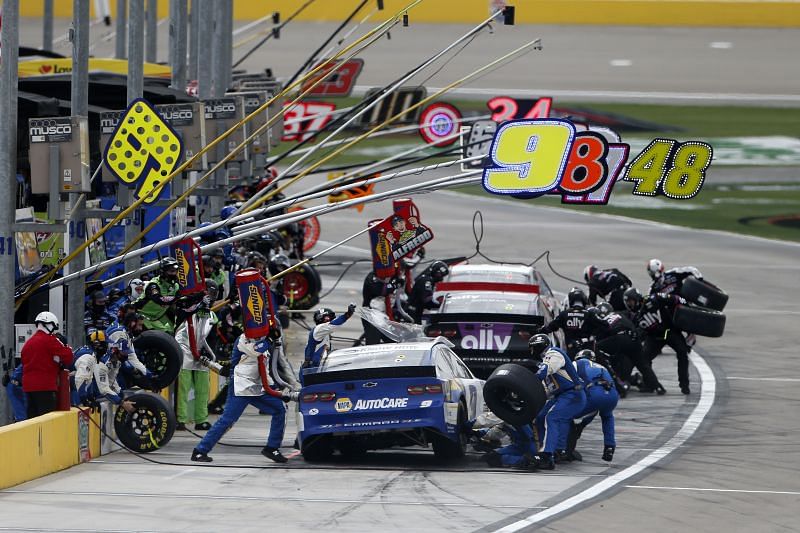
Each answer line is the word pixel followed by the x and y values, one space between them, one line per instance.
pixel 343 405
pixel 381 403
pixel 183 268
pixel 255 304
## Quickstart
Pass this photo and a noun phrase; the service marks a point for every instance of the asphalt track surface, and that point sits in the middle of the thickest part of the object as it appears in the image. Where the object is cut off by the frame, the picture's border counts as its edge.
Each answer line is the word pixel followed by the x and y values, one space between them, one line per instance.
pixel 737 471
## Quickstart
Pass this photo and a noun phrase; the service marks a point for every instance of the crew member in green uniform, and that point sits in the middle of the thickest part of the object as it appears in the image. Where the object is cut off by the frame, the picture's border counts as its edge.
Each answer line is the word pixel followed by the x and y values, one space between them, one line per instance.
pixel 157 301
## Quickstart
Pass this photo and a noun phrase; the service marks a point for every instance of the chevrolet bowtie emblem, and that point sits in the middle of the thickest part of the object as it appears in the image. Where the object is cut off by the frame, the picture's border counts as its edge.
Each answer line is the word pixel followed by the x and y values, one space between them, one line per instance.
pixel 369 384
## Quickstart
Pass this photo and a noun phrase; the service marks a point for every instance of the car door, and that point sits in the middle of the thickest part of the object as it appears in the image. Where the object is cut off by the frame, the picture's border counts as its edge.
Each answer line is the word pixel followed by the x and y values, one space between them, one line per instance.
pixel 473 387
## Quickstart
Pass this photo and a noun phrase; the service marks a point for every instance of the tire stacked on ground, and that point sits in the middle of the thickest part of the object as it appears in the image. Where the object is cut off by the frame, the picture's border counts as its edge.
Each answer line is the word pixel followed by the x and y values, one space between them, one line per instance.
pixel 514 394
pixel 149 427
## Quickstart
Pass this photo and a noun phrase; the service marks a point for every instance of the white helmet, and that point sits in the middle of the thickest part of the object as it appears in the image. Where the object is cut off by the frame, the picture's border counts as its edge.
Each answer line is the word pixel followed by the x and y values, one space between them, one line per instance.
pixel 655 268
pixel 47 320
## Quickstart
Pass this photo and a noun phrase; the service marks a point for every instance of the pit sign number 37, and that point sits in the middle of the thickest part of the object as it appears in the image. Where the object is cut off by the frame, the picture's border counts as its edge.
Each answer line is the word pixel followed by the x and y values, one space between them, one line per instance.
pixel 533 157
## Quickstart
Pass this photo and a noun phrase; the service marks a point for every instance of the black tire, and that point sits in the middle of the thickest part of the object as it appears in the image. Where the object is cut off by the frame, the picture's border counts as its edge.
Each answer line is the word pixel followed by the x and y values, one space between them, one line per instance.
pixel 319 449
pixel 448 450
pixel 301 287
pixel 162 355
pixel 148 428
pixel 699 320
pixel 514 394
pixel 703 293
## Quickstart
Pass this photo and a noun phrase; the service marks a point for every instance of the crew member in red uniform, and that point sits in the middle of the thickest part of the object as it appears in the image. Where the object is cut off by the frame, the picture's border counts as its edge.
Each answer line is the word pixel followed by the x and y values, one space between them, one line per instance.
pixel 43 356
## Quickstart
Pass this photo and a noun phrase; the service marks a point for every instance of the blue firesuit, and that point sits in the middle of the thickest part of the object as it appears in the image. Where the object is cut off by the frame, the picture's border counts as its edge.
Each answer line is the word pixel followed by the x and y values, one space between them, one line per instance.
pixel 246 389
pixel 319 340
pixel 523 444
pixel 601 397
pixel 16 396
pixel 566 399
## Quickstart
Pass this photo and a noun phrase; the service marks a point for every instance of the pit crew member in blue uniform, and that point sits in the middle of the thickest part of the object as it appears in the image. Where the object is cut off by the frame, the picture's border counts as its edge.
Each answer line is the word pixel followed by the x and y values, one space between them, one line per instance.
pixel 319 338
pixel 601 398
pixel 16 396
pixel 566 398
pixel 247 389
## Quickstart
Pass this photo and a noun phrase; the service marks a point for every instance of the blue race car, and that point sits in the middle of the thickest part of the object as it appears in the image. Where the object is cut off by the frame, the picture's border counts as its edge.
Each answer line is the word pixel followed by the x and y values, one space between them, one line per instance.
pixel 379 396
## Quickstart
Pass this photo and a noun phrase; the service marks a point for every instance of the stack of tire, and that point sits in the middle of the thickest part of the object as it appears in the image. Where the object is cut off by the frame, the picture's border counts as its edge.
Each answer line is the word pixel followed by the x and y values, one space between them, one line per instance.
pixel 703 316
pixel 152 425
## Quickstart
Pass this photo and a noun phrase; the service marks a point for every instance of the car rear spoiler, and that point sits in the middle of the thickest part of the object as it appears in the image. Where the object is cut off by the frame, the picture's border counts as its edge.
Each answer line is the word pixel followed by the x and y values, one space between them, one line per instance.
pixel 360 374
pixel 452 318
pixel 460 286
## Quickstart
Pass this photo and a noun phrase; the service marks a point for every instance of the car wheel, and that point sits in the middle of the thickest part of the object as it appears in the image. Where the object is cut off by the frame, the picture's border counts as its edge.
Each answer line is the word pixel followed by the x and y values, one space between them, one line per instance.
pixel 301 287
pixel 447 449
pixel 161 354
pixel 149 427
pixel 514 394
pixel 319 449
pixel 703 293
pixel 699 320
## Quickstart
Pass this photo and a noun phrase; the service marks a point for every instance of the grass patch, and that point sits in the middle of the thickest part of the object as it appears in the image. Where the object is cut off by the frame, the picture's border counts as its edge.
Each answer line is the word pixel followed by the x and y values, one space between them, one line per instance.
pixel 740 208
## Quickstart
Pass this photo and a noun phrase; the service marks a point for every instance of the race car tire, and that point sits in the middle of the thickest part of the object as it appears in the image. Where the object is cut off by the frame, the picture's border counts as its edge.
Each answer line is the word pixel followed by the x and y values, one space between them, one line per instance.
pixel 703 293
pixel 161 354
pixel 301 287
pixel 699 320
pixel 148 428
pixel 320 449
pixel 514 394
pixel 446 449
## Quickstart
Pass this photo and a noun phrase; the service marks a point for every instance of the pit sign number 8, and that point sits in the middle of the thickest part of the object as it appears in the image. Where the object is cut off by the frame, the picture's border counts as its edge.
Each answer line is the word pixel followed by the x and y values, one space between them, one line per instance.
pixel 534 157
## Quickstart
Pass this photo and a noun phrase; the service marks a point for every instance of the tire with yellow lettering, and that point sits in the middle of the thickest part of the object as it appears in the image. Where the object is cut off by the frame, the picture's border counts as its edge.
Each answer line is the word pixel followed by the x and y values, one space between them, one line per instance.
pixel 149 427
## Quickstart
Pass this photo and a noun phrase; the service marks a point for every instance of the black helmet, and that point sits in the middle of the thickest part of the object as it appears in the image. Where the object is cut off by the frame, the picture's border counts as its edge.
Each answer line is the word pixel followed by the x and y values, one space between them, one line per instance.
pixel 633 299
pixel 585 354
pixel 439 270
pixel 605 309
pixel 169 263
pixel 322 313
pixel 255 257
pixel 99 298
pixel 218 252
pixel 577 298
pixel 278 263
pixel 539 344
pixel 212 289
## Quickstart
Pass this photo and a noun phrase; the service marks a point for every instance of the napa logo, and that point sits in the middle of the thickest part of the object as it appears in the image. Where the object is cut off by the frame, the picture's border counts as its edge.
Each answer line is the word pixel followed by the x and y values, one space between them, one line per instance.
pixel 255 304
pixel 343 405
pixel 183 268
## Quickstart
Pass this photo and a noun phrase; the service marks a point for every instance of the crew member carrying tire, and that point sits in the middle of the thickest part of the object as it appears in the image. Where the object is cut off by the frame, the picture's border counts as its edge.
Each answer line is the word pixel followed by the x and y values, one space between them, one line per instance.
pixel 566 399
pixel 669 281
pixel 653 314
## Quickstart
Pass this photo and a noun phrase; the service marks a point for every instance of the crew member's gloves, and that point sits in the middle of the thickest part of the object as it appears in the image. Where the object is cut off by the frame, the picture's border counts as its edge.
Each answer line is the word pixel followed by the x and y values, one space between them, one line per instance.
pixel 351 309
pixel 608 453
pixel 6 380
pixel 207 300
pixel 289 395
pixel 62 338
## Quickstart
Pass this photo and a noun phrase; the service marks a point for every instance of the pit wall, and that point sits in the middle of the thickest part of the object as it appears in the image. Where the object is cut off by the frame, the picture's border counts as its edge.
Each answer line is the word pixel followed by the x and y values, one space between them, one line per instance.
pixel 47 444
pixel 723 13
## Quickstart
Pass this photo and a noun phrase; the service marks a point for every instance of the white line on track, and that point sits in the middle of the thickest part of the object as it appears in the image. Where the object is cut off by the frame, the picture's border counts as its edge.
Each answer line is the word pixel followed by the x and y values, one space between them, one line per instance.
pixel 182 473
pixel 788 380
pixel 744 491
pixel 164 496
pixel 708 391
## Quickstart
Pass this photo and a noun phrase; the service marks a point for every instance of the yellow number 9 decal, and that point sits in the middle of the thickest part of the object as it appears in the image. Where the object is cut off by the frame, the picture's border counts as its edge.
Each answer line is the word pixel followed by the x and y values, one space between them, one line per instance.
pixel 528 156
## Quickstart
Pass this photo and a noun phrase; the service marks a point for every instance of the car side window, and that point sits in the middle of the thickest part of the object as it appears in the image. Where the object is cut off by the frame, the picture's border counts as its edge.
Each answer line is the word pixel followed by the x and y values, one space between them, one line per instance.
pixel 444 368
pixel 461 369
pixel 544 288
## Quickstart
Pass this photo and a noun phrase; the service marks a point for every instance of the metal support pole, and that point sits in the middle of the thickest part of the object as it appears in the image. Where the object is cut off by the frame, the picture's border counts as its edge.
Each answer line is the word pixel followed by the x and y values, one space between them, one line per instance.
pixel 217 14
pixel 8 184
pixel 47 28
pixel 135 90
pixel 80 107
pixel 121 29
pixel 194 29
pixel 177 44
pixel 151 21
pixel 227 43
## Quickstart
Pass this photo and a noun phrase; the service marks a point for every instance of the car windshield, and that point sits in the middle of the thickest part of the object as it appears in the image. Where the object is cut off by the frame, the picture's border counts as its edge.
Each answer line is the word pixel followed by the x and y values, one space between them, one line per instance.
pixel 490 302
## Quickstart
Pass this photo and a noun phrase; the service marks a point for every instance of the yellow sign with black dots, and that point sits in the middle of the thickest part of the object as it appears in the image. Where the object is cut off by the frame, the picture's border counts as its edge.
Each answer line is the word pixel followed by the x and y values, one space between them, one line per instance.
pixel 143 150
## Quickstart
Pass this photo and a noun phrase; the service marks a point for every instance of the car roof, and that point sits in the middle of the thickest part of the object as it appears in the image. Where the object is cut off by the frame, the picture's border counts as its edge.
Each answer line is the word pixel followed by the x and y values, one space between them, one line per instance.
pixel 490 268
pixel 383 355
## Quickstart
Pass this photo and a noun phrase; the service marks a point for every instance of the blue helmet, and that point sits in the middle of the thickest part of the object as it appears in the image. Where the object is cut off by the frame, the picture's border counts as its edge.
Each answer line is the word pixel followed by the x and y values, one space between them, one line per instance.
pixel 227 212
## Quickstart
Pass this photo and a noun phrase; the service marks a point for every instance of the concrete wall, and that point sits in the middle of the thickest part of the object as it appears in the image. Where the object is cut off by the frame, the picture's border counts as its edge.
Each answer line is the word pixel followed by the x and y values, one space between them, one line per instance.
pixel 46 444
pixel 758 13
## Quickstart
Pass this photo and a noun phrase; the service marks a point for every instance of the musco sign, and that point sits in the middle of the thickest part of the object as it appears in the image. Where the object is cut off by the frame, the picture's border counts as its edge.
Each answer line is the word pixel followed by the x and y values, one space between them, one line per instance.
pixel 51 130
